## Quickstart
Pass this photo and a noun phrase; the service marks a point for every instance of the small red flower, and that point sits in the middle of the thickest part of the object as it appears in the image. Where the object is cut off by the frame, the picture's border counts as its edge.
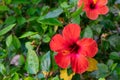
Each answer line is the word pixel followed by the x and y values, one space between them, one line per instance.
pixel 71 50
pixel 93 8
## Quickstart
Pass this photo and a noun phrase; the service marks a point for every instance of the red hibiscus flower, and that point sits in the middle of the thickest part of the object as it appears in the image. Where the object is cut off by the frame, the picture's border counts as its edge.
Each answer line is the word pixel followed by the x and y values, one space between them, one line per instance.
pixel 94 7
pixel 71 50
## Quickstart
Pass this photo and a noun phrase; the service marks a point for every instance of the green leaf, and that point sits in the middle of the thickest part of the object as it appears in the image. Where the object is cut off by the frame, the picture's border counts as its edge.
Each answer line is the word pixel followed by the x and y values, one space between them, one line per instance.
pixel 31 11
pixel 39 76
pixel 46 39
pixel 113 66
pixel 27 34
pixel 103 70
pixel 3 53
pixel 64 5
pixel 9 40
pixel 115 41
pixel 21 60
pixel 36 1
pixel 8 1
pixel 2 69
pixel 46 62
pixel 114 56
pixel 6 29
pixel 77 12
pixel 101 79
pixel 12 40
pixel 110 63
pixel 4 8
pixel 88 33
pixel 16 42
pixel 28 45
pixel 15 76
pixel 50 21
pixel 73 2
pixel 21 20
pixel 10 20
pixel 28 78
pixel 56 78
pixel 32 62
pixel 76 20
pixel 54 13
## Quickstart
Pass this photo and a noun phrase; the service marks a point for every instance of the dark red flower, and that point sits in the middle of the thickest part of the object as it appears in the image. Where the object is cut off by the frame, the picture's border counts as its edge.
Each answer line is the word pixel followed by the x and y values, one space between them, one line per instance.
pixel 71 50
pixel 94 8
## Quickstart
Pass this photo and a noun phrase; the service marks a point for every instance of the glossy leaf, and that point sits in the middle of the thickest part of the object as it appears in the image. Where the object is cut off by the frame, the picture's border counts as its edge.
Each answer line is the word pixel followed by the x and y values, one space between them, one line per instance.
pixel 6 29
pixel 64 75
pixel 46 62
pixel 50 21
pixel 32 62
pixel 54 13
pixel 92 64
pixel 27 34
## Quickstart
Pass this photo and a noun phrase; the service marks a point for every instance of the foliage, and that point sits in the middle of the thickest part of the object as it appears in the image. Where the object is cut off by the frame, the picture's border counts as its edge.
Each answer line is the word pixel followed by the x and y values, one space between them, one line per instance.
pixel 27 26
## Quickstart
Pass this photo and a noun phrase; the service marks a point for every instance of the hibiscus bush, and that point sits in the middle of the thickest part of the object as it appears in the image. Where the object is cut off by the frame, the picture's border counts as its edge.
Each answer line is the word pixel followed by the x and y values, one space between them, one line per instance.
pixel 59 39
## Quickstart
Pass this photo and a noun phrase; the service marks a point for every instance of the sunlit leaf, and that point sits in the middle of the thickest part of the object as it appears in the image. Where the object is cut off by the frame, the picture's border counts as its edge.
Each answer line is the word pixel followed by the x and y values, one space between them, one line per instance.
pixel 28 78
pixel 101 79
pixel 6 29
pixel 16 42
pixel 64 75
pixel 27 34
pixel 4 8
pixel 15 76
pixel 92 64
pixel 9 40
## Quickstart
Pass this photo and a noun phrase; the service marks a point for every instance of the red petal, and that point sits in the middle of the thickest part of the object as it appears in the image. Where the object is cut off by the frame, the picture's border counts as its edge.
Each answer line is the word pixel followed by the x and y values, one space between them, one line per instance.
pixel 85 2
pixel 57 43
pixel 62 60
pixel 103 10
pixel 88 47
pixel 92 14
pixel 79 63
pixel 71 32
pixel 80 3
pixel 102 2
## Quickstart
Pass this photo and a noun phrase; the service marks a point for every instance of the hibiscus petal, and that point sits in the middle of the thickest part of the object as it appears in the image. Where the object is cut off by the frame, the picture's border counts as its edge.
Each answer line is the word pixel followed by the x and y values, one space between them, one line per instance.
pixel 88 47
pixel 102 2
pixel 62 60
pixel 57 43
pixel 103 10
pixel 71 32
pixel 79 63
pixel 85 2
pixel 92 14
pixel 80 3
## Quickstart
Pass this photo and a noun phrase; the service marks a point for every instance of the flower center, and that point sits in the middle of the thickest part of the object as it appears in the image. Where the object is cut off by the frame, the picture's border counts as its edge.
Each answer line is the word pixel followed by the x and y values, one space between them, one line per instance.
pixel 92 6
pixel 74 48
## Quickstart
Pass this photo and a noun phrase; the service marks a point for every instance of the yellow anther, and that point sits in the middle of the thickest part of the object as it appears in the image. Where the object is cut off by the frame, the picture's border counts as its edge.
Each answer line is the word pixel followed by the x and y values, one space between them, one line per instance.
pixel 94 1
pixel 65 52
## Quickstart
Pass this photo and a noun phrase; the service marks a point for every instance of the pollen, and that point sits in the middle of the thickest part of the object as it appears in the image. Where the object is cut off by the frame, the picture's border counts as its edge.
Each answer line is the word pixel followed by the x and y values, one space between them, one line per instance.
pixel 94 1
pixel 65 52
